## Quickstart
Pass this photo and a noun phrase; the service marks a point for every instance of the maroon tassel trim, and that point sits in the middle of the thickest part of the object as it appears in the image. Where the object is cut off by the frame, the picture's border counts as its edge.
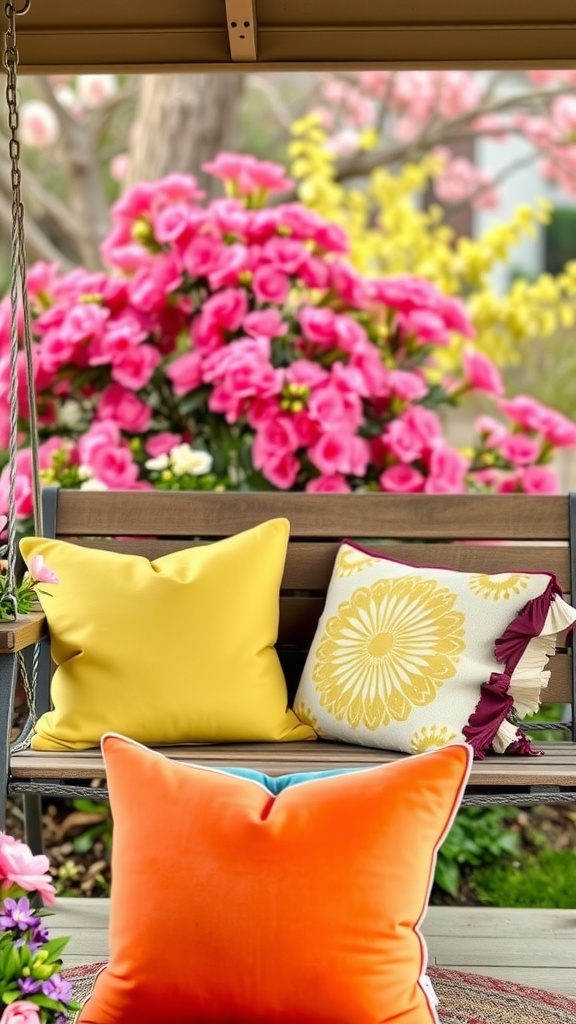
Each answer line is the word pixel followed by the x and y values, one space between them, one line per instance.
pixel 495 702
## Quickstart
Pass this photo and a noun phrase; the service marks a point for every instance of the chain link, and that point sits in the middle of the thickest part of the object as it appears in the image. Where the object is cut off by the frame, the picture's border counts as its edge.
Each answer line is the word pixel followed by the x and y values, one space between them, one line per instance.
pixel 19 291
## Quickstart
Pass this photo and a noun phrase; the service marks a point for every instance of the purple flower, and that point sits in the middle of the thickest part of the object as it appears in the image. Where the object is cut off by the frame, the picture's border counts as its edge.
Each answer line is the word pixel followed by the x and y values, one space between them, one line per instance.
pixel 17 914
pixel 38 935
pixel 29 986
pixel 57 988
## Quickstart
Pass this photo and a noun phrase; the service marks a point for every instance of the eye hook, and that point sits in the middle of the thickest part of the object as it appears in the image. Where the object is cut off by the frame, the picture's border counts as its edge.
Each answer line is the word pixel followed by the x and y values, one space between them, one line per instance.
pixel 25 8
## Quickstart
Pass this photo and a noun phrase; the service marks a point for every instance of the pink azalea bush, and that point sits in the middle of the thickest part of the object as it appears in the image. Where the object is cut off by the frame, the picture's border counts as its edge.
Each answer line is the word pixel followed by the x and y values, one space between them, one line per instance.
pixel 232 345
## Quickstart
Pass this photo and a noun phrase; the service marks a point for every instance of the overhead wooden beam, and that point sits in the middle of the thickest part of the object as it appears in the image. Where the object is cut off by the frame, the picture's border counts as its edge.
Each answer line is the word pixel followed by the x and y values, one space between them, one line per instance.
pixel 178 35
pixel 241 25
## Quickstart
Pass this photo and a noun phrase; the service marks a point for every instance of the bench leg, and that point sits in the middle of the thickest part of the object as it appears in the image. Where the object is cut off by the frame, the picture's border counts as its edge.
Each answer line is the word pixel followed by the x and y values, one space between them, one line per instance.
pixel 8 680
pixel 33 821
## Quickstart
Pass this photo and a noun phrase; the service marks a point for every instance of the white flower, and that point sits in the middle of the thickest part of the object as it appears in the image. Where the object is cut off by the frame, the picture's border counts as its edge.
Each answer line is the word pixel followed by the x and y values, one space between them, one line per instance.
pixel 158 463
pixel 186 460
pixel 70 414
pixel 38 124
pixel 96 90
pixel 85 472
pixel 94 484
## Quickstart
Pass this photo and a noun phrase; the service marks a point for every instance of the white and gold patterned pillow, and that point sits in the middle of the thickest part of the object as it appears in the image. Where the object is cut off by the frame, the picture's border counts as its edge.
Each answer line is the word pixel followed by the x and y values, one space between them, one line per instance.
pixel 412 657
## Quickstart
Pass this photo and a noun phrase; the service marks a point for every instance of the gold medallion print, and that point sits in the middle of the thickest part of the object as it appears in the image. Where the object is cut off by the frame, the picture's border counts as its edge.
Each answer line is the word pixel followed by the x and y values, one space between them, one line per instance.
pixel 500 586
pixel 430 738
pixel 350 561
pixel 305 714
pixel 387 650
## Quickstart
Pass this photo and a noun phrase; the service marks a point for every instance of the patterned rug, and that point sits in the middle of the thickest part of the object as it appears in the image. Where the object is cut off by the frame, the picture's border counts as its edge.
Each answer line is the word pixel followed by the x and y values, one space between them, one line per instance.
pixel 464 998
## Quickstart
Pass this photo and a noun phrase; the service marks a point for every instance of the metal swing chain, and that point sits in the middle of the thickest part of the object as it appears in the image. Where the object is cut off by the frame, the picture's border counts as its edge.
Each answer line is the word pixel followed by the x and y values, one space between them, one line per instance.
pixel 19 291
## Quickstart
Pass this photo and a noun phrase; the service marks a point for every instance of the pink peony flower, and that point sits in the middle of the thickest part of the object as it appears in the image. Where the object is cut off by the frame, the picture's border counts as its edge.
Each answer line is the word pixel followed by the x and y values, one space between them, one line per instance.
pixel 185 373
pixel 40 572
pixel 490 430
pixel 160 444
pixel 270 285
pixel 233 261
pixel 481 374
pixel 413 433
pixel 318 324
pixel 134 368
pixel 19 866
pixel 402 479
pixel 115 468
pixel 425 325
pixel 447 470
pixel 407 385
pixel 334 408
pixel 203 256
pixel 337 453
pixel 335 484
pixel 275 435
pixel 281 470
pixel 267 323
pixel 227 308
pixel 525 411
pixel 102 434
pixel 21 1012
pixel 519 449
pixel 124 408
pixel 539 480
pixel 558 429
pixel 248 174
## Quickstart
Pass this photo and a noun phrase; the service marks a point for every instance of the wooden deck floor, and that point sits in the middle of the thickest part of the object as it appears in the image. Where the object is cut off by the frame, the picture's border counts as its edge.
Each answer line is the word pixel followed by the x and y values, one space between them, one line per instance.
pixel 532 947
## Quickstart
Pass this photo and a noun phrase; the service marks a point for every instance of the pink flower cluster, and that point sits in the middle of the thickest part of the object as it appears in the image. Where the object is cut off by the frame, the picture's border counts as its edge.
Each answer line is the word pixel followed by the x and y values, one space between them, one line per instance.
pixel 447 102
pixel 233 344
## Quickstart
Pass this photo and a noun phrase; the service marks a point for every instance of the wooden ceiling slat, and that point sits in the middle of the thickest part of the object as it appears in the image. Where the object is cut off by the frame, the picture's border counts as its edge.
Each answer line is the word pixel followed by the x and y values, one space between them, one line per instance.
pixel 75 36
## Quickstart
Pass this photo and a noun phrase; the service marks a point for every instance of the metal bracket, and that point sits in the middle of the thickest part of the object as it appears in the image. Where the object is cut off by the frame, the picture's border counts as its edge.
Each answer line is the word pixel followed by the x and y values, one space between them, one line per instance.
pixel 242 29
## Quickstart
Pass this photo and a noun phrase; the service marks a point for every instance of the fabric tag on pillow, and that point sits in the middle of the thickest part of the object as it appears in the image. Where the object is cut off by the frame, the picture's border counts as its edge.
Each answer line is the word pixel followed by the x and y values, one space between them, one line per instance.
pixel 429 990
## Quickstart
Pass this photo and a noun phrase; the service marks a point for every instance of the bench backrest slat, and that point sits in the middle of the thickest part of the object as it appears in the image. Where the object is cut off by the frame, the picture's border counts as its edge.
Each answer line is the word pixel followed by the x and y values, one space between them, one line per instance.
pixel 209 514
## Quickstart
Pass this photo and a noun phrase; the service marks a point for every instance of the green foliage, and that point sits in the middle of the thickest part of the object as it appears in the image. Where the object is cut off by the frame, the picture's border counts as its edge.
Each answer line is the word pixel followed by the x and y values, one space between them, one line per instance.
pixel 547 879
pixel 547 371
pixel 102 830
pixel 478 837
pixel 547 713
pixel 560 238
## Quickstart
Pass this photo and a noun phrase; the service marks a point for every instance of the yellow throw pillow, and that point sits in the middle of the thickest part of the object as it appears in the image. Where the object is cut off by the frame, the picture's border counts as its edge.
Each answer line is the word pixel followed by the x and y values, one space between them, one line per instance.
pixel 172 651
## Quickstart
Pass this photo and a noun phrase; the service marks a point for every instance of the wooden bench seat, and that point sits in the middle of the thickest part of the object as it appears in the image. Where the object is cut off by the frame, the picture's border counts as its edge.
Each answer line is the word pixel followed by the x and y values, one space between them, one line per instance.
pixel 557 769
pixel 479 533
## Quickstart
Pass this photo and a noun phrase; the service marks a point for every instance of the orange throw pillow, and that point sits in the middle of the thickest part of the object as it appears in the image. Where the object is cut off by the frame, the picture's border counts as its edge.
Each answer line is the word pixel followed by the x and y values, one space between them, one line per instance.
pixel 233 904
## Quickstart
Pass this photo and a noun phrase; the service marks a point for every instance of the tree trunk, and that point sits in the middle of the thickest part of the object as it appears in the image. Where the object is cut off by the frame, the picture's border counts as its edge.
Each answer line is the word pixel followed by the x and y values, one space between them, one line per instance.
pixel 181 121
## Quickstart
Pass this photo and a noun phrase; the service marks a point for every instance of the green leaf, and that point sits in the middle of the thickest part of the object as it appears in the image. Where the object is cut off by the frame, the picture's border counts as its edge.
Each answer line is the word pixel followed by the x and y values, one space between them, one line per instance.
pixel 54 947
pixel 448 876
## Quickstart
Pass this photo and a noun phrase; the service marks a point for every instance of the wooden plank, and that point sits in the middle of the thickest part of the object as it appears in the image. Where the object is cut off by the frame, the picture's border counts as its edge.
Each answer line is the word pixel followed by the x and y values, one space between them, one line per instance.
pixel 119 35
pixel 512 921
pixel 209 514
pixel 557 769
pixel 309 564
pixel 491 951
pixel 27 630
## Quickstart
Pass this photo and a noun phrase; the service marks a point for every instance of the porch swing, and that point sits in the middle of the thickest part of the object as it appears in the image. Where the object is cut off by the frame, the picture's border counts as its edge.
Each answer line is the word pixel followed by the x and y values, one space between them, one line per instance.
pixel 154 524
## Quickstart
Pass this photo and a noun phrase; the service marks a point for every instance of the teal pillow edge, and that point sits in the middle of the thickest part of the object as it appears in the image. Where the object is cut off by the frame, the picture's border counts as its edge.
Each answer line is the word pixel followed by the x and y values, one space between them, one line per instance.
pixel 275 784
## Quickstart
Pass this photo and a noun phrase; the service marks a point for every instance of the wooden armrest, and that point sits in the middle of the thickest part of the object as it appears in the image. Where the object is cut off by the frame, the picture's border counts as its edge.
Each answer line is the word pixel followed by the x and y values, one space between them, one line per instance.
pixel 25 631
